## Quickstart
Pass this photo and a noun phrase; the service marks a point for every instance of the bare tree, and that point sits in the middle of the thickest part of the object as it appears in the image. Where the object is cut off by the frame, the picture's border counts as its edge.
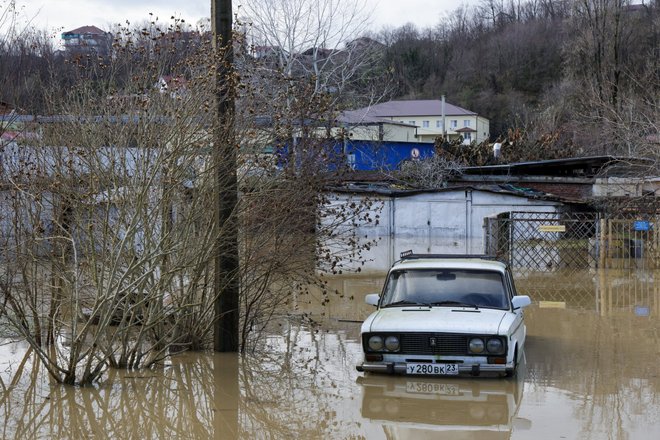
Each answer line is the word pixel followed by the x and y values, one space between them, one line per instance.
pixel 613 63
pixel 25 55
pixel 107 236
pixel 312 39
pixel 433 172
pixel 600 45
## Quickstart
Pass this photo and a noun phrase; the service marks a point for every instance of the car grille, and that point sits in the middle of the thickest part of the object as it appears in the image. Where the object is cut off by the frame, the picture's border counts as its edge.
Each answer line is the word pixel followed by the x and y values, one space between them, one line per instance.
pixel 421 343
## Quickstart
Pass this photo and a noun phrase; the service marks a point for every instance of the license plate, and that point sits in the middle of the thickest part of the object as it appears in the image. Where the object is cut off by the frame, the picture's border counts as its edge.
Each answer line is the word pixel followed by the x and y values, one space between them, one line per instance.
pixel 432 388
pixel 432 369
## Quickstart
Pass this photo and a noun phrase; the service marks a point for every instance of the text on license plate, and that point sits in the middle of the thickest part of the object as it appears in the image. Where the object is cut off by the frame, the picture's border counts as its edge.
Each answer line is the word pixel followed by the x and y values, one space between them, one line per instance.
pixel 432 388
pixel 432 369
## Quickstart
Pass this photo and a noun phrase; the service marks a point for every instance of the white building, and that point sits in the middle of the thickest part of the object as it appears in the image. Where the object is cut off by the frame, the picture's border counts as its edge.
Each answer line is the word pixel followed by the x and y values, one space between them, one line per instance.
pixel 445 221
pixel 431 118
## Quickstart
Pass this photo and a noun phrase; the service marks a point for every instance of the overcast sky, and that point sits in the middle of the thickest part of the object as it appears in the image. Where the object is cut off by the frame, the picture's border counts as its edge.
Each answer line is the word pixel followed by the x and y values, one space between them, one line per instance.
pixel 59 15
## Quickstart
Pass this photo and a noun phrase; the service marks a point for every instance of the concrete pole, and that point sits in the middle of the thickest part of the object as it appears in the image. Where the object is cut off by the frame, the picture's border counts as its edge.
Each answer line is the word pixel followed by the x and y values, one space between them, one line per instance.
pixel 226 310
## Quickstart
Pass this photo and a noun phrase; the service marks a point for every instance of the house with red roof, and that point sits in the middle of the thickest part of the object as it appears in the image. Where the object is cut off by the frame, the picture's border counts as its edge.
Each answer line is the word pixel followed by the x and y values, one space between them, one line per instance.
pixel 87 40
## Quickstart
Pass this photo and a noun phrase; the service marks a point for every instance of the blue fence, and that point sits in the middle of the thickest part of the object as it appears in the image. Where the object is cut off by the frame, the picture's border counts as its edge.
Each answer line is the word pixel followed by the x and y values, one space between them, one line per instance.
pixel 360 155
pixel 369 155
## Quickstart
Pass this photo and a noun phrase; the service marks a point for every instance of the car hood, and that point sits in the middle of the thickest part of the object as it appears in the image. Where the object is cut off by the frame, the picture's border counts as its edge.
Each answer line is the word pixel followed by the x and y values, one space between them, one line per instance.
pixel 437 319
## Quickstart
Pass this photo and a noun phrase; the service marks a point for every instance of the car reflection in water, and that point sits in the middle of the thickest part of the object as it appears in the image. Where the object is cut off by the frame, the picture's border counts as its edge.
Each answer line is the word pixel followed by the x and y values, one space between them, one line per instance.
pixel 453 407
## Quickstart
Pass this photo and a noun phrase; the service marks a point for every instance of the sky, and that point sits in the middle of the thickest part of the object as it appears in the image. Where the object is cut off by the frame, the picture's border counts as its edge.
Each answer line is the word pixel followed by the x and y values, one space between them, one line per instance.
pixel 64 15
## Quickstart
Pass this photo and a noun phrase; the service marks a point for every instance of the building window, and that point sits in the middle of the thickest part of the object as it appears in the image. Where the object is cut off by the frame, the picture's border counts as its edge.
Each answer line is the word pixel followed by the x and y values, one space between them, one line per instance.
pixel 438 124
pixel 466 122
pixel 453 124
pixel 425 124
pixel 411 122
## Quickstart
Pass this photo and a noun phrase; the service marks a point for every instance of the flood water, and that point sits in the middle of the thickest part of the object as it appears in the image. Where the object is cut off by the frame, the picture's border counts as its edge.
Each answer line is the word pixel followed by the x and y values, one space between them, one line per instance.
pixel 591 372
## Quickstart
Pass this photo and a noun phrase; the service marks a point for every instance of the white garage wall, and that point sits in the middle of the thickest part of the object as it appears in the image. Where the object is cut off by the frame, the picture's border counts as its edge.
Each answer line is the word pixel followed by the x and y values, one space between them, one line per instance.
pixel 443 222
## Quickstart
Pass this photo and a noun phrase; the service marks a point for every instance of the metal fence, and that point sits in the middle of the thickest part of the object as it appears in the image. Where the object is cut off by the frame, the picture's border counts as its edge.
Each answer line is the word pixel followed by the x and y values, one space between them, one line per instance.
pixel 563 254
pixel 552 241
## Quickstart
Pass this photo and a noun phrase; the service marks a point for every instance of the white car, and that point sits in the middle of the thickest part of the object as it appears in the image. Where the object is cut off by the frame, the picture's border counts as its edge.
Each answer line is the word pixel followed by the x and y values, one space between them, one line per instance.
pixel 445 315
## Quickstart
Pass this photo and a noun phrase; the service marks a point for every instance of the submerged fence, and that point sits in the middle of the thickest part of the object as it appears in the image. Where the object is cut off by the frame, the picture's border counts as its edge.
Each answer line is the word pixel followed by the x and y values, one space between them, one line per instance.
pixel 582 259
pixel 551 241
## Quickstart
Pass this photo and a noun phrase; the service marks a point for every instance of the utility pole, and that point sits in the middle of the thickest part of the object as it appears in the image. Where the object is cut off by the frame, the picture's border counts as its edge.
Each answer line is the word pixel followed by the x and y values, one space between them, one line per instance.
pixel 225 330
pixel 444 130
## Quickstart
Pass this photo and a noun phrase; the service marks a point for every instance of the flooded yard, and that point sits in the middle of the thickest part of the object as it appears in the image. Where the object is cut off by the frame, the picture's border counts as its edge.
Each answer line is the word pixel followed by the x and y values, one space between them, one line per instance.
pixel 591 372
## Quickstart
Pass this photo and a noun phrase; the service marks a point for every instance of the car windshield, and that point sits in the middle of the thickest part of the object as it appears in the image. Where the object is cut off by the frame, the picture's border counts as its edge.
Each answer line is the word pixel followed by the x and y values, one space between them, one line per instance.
pixel 445 287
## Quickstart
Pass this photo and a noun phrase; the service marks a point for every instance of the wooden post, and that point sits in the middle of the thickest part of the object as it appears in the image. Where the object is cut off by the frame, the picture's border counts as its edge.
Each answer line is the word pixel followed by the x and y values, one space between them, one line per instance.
pixel 227 396
pixel 225 334
pixel 602 244
pixel 602 279
pixel 609 241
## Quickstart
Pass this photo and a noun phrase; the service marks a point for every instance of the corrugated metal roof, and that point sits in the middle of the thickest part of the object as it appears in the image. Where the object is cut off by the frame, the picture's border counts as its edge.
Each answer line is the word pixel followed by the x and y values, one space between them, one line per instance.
pixel 418 107
pixel 363 117
pixel 393 190
pixel 586 166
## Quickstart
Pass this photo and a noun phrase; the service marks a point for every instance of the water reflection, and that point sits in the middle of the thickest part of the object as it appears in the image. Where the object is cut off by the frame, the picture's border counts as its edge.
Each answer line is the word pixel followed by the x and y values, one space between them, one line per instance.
pixel 298 386
pixel 591 372
pixel 601 370
pixel 155 403
pixel 607 291
pixel 302 386
pixel 453 408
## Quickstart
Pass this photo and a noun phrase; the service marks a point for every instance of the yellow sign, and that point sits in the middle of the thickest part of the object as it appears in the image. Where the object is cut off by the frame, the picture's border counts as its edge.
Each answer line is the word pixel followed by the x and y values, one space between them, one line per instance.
pixel 552 304
pixel 552 228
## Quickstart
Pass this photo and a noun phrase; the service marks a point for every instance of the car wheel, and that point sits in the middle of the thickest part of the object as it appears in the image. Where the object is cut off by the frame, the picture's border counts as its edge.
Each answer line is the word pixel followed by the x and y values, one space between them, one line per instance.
pixel 512 371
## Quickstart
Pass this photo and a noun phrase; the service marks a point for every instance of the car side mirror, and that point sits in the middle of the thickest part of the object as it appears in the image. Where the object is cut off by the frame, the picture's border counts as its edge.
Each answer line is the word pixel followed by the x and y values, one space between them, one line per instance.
pixel 520 301
pixel 372 299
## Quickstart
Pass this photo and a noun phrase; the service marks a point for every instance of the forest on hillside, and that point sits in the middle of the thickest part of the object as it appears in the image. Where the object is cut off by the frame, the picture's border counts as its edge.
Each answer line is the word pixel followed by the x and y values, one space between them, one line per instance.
pixel 585 72
pixel 581 75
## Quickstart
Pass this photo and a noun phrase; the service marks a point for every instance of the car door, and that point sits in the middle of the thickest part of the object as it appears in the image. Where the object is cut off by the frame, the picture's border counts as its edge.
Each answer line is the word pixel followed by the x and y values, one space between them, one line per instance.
pixel 519 330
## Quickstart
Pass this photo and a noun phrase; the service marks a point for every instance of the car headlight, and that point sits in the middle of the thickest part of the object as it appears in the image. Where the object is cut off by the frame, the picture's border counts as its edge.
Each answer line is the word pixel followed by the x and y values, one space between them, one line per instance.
pixel 476 345
pixel 392 343
pixel 495 346
pixel 375 343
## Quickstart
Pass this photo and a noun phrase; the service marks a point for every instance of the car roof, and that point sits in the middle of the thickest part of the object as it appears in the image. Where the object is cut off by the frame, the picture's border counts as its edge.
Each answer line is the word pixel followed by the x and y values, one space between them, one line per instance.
pixel 459 262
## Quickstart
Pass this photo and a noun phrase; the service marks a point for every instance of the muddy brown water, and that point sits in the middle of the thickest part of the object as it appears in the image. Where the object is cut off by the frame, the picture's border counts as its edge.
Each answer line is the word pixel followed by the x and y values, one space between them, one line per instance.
pixel 591 372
